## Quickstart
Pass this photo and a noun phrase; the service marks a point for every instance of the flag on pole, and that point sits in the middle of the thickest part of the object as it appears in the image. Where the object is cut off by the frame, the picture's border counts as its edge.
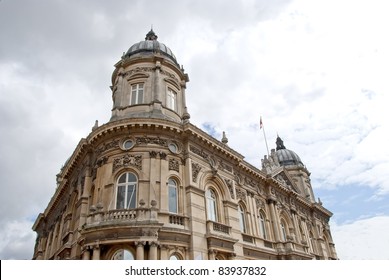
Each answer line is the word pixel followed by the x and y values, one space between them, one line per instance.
pixel 260 123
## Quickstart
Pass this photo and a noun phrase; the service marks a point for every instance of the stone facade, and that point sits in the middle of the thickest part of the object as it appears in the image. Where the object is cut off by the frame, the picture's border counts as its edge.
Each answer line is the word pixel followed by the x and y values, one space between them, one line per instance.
pixel 150 185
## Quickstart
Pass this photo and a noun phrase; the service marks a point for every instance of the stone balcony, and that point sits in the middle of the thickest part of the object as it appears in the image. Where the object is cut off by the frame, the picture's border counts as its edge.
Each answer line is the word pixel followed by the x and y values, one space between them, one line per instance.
pixel 218 228
pixel 122 217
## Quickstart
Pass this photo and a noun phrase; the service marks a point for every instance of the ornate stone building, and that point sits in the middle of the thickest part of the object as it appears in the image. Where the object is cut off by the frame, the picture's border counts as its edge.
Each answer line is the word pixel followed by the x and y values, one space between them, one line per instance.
pixel 150 185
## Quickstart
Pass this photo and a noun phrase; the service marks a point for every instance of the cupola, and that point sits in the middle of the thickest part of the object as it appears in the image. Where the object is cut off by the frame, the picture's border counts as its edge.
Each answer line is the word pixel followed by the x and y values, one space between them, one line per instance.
pixel 148 83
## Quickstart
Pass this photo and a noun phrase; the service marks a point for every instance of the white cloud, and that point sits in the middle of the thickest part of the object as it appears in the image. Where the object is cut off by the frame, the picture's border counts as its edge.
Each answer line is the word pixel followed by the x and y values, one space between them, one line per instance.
pixel 365 239
pixel 17 240
pixel 315 70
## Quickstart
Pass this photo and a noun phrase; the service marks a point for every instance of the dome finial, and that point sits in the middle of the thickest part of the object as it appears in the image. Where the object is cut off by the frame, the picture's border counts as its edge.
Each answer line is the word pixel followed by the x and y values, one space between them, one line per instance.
pixel 279 143
pixel 151 36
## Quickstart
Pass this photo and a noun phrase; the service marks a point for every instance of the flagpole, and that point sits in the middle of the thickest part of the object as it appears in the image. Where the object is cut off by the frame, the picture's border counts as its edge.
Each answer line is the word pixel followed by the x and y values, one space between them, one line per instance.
pixel 261 126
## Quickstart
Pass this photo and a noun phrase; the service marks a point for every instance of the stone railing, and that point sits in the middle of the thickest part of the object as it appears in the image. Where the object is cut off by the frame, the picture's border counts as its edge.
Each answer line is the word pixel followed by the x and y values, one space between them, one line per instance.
pixel 177 220
pixel 122 216
pixel 247 238
pixel 217 228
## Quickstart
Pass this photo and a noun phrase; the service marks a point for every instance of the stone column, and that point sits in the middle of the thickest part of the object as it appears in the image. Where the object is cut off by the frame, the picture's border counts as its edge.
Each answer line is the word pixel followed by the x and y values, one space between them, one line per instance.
pixel 140 250
pixel 297 233
pixel 86 254
pixel 153 250
pixel 96 252
pixel 164 252
pixel 275 223
pixel 211 254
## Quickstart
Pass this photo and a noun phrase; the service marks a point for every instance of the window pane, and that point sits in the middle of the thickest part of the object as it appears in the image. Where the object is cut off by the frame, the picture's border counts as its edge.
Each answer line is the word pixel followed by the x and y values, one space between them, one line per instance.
pixel 262 225
pixel 131 178
pixel 211 206
pixel 122 178
pixel 140 97
pixel 123 255
pixel 241 219
pixel 133 97
pixel 120 197
pixel 172 199
pixel 131 196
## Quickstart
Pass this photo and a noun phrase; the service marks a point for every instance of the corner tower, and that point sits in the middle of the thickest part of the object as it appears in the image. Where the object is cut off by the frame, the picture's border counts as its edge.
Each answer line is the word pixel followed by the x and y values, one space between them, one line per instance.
pixel 149 83
pixel 297 178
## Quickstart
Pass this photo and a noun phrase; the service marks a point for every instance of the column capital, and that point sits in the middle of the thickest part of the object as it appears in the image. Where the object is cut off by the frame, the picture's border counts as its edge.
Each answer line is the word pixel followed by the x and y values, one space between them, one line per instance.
pixel 140 243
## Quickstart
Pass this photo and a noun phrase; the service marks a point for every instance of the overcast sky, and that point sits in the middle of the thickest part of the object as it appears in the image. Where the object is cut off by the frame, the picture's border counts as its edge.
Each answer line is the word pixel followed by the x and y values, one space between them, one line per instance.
pixel 316 71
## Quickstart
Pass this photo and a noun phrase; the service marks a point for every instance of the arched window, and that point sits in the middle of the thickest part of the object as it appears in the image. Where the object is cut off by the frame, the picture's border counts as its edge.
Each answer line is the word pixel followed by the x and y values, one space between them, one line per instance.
pixel 283 230
pixel 173 201
pixel 126 191
pixel 211 205
pixel 174 257
pixel 262 225
pixel 123 254
pixel 242 220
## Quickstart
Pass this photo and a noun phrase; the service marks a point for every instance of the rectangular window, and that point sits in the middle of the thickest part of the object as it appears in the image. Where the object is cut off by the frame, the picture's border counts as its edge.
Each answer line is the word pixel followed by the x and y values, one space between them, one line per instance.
pixel 136 94
pixel 171 100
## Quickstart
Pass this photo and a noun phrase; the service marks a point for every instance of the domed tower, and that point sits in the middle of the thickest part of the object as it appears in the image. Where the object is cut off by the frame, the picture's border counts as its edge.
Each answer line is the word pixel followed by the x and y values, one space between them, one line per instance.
pixel 149 83
pixel 284 159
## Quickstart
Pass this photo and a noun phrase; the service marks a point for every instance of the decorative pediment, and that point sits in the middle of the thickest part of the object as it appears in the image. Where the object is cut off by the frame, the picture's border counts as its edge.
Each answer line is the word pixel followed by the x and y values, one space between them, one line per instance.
pixel 286 181
pixel 138 76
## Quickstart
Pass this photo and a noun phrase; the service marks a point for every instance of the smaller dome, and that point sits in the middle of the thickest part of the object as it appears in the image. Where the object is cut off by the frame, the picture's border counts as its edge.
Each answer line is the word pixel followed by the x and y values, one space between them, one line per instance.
pixel 150 46
pixel 286 157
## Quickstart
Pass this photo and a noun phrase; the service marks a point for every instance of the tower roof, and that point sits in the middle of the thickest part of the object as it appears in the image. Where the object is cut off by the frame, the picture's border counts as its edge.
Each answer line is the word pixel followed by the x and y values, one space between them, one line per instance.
pixel 286 157
pixel 150 46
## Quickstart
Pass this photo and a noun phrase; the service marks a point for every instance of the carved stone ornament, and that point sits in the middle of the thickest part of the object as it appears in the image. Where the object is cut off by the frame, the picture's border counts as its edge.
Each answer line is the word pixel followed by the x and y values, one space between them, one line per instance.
pixel 199 152
pixel 171 76
pixel 195 171
pixel 107 146
pixel 240 194
pixel 138 70
pixel 128 160
pixel 259 203
pixel 230 188
pixel 174 165
pixel 151 140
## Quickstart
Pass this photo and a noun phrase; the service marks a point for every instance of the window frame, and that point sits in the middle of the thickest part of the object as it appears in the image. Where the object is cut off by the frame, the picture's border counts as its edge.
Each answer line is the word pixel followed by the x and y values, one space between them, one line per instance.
pixel 262 225
pixel 135 89
pixel 171 99
pixel 211 205
pixel 131 204
pixel 242 219
pixel 170 199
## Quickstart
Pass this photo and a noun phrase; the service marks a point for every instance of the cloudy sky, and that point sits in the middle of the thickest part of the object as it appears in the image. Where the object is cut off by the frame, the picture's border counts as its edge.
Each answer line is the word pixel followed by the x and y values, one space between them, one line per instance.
pixel 314 70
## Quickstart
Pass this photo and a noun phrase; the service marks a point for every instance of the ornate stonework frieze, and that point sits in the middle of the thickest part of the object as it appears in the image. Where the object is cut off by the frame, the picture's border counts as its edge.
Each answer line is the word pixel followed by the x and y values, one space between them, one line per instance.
pixel 107 146
pixel 174 165
pixel 128 160
pixel 138 70
pixel 151 140
pixel 224 166
pixel 195 171
pixel 199 152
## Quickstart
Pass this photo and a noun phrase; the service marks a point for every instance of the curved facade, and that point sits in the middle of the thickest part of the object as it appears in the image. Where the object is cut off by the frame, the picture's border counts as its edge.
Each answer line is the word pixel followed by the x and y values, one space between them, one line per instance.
pixel 150 185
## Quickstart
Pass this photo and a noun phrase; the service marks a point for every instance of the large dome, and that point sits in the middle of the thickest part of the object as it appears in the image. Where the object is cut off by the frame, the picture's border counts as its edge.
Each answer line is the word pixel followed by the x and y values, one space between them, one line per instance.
pixel 286 157
pixel 150 46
